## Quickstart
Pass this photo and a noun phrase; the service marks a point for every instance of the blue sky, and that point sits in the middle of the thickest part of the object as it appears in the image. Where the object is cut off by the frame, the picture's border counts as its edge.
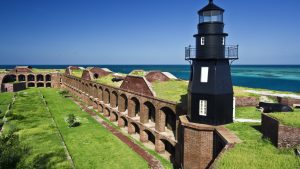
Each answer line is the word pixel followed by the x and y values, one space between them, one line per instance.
pixel 141 31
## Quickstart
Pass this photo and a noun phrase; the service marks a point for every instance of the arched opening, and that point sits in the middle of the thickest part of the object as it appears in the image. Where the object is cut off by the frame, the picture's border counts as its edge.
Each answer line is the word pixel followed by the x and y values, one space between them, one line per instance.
pixel 30 78
pixel 100 94
pixel 21 78
pixel 122 122
pixel 48 84
pixel 106 96
pixel 96 76
pixel 134 129
pixel 95 91
pixel 135 106
pixel 40 77
pixel 151 137
pixel 114 99
pixel 100 108
pixel 150 111
pixel 106 112
pixel 40 85
pixel 9 79
pixel 31 85
pixel 123 103
pixel 113 116
pixel 170 150
pixel 48 78
pixel 170 118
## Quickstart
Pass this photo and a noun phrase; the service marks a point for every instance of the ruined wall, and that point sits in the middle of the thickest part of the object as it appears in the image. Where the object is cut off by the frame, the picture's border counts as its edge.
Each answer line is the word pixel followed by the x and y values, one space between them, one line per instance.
pixel 137 84
pixel 156 76
pixel 13 87
pixel 282 136
pixel 246 101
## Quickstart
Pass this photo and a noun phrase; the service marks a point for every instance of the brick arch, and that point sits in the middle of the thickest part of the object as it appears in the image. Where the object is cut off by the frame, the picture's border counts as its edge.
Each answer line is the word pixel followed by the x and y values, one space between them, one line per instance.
pixel 95 93
pixel 100 108
pixel 48 84
pixel 148 112
pixel 123 102
pixel 114 99
pixel 21 78
pixel 168 119
pixel 31 84
pixel 40 85
pixel 169 148
pixel 48 77
pixel 106 112
pixel 134 107
pixel 8 78
pixel 106 96
pixel 100 93
pixel 148 136
pixel 133 128
pixel 122 122
pixel 30 78
pixel 39 77
pixel 113 116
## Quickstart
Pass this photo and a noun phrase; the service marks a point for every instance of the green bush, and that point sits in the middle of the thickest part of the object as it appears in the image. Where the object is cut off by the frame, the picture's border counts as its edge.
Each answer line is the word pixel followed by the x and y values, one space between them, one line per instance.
pixel 2 115
pixel 71 119
pixel 63 92
pixel 1 123
pixel 10 150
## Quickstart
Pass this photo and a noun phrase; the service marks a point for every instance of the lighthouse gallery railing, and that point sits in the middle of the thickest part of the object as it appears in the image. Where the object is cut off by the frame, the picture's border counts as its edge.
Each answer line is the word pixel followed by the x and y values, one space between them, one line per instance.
pixel 231 52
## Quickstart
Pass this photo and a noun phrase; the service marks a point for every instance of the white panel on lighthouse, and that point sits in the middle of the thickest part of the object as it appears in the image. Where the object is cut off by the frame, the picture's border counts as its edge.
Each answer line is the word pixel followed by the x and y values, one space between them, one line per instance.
pixel 204 74
pixel 203 107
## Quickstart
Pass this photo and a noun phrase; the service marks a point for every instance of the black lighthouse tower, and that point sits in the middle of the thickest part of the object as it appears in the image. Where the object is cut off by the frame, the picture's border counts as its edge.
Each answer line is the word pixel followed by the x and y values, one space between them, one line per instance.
pixel 210 93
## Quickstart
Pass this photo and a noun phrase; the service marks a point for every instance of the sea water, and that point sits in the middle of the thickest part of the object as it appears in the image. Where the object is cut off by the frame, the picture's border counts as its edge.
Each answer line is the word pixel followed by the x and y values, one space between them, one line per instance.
pixel 274 77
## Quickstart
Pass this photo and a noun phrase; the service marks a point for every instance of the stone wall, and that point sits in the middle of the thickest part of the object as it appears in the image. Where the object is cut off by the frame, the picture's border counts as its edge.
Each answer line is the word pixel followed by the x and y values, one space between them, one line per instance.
pixel 288 101
pixel 246 101
pixel 13 87
pixel 281 136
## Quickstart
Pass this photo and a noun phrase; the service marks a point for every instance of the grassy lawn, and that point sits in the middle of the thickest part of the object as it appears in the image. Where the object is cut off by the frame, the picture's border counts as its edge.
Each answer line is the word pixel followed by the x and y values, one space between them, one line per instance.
pixel 107 80
pixel 255 152
pixel 289 119
pixel 170 90
pixel 247 113
pixel 138 73
pixel 36 131
pixel 77 73
pixel 5 99
pixel 90 145
pixel 35 70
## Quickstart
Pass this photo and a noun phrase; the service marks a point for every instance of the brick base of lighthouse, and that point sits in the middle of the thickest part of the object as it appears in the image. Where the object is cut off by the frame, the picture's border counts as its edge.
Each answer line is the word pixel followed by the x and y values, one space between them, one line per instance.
pixel 201 144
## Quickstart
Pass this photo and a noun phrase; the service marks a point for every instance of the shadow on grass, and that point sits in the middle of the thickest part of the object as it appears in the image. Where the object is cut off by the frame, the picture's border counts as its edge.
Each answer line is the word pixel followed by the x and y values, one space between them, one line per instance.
pixel 42 161
pixel 257 127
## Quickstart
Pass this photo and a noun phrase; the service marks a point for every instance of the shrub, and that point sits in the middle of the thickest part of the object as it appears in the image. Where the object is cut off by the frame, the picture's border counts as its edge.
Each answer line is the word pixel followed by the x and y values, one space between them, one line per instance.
pixel 2 115
pixel 71 119
pixel 63 92
pixel 1 123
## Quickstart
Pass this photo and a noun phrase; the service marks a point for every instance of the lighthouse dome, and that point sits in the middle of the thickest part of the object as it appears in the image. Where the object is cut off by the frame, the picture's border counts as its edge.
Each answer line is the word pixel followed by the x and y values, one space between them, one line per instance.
pixel 211 13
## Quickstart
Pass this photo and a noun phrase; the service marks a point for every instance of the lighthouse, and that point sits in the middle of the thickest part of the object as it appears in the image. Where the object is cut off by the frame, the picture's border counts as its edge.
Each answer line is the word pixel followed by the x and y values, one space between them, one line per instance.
pixel 210 91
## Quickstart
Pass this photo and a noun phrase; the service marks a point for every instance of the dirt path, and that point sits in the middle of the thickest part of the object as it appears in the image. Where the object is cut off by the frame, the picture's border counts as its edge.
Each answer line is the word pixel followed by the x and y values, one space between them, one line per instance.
pixel 152 161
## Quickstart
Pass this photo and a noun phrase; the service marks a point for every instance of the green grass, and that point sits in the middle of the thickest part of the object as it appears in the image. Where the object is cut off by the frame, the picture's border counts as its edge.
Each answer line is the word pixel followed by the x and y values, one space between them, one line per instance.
pixel 241 91
pixel 43 71
pixel 36 131
pixel 290 119
pixel 5 99
pixel 138 73
pixel 3 71
pixel 90 145
pixel 248 113
pixel 255 152
pixel 107 80
pixel 171 90
pixel 77 73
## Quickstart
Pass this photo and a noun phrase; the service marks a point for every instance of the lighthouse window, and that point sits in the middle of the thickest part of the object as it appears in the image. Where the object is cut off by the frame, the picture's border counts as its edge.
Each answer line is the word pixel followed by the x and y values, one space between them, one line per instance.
pixel 203 107
pixel 204 74
pixel 211 16
pixel 223 41
pixel 202 40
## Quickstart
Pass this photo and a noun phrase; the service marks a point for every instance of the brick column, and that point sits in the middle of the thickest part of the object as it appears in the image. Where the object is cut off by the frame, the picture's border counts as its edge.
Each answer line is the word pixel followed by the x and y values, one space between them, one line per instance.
pixel 131 108
pixel 144 114
pixel 144 137
pixel 159 146
pixel 131 129
pixel 121 122
pixel 160 120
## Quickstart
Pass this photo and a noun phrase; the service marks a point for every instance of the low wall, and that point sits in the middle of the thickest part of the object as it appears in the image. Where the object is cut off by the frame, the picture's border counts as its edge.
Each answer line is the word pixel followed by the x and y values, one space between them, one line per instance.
pixel 13 87
pixel 288 101
pixel 203 144
pixel 246 101
pixel 281 136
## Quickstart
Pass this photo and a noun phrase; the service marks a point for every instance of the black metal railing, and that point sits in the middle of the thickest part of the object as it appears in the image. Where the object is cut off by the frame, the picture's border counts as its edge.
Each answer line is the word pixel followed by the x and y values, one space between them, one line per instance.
pixel 231 52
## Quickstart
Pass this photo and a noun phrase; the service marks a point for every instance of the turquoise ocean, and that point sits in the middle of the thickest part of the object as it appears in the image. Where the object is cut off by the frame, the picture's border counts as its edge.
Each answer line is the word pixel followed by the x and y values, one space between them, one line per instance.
pixel 274 77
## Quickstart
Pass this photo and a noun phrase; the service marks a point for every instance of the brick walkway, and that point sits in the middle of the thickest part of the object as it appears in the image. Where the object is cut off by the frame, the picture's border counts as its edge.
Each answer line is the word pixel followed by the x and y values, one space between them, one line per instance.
pixel 152 161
